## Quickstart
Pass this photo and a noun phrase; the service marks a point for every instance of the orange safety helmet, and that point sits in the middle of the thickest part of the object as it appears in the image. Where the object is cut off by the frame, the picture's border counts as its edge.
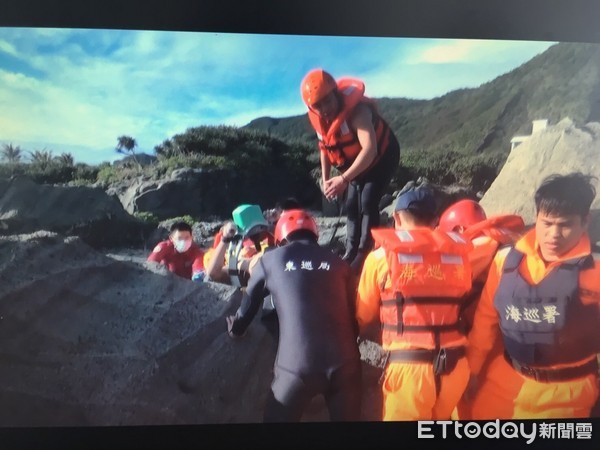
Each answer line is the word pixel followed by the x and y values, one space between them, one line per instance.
pixel 316 85
pixel 463 213
pixel 294 220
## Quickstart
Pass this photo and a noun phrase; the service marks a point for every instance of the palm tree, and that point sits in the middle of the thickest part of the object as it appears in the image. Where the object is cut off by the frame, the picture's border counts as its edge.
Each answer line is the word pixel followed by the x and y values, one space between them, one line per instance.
pixel 42 159
pixel 11 153
pixel 127 145
pixel 66 159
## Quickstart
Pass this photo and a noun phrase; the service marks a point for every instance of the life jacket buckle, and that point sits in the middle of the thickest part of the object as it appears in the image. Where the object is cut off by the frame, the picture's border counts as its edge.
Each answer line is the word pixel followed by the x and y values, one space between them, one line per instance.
pixel 386 360
pixel 440 362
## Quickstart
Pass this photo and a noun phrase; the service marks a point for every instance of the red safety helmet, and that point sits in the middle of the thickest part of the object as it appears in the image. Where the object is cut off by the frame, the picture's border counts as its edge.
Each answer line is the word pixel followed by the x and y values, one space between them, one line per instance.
pixel 463 213
pixel 316 85
pixel 294 220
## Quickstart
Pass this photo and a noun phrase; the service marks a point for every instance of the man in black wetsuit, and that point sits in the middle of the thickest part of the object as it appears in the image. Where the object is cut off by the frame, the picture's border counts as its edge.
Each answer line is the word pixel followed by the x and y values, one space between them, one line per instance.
pixel 314 294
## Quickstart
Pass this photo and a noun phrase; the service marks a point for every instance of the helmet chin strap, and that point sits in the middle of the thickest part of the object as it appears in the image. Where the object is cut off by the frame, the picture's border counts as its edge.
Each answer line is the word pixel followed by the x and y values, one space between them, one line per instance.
pixel 256 241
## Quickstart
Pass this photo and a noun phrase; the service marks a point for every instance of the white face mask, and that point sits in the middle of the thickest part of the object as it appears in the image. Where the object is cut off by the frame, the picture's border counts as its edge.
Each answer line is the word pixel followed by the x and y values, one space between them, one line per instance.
pixel 182 245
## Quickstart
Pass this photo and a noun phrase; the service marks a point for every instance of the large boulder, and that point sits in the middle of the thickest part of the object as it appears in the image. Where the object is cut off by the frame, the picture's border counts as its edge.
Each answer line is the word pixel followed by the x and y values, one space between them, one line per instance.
pixel 194 192
pixel 90 213
pixel 444 197
pixel 562 148
pixel 209 193
pixel 89 340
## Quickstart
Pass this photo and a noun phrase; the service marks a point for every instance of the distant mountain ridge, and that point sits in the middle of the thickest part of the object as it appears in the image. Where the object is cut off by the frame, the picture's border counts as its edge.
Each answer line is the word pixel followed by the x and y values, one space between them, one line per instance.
pixel 563 81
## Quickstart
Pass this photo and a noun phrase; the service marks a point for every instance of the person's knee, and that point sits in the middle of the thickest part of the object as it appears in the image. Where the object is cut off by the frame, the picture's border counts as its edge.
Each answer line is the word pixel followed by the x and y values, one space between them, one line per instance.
pixel 352 210
pixel 370 203
pixel 352 214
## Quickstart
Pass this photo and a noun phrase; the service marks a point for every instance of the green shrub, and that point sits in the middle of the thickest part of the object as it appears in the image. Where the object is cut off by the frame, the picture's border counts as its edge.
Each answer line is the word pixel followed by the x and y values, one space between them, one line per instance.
pixel 80 182
pixel 146 217
pixel 187 219
pixel 86 172
pixel 108 174
pixel 7 170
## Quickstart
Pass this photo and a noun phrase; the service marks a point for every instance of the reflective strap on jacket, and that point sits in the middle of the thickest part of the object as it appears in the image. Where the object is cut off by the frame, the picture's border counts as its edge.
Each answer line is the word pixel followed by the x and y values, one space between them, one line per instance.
pixel 233 253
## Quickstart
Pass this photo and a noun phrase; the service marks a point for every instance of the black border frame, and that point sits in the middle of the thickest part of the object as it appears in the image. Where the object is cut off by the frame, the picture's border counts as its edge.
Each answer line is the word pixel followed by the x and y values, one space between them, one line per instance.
pixel 537 20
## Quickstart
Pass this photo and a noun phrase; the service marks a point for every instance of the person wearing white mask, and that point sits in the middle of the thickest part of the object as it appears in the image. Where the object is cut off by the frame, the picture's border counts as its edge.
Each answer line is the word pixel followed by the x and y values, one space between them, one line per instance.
pixel 180 254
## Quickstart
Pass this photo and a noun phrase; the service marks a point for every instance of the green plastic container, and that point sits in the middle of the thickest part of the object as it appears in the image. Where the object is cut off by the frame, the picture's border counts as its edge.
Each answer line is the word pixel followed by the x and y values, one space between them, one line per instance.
pixel 249 219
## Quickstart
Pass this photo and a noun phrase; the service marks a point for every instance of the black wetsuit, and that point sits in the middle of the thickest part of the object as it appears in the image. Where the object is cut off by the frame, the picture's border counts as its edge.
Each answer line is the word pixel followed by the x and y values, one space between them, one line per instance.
pixel 314 293
pixel 362 204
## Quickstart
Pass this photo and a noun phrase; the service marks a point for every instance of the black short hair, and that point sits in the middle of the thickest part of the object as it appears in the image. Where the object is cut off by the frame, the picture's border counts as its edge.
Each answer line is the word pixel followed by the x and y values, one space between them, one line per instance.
pixel 181 226
pixel 301 235
pixel 289 204
pixel 565 194
pixel 422 217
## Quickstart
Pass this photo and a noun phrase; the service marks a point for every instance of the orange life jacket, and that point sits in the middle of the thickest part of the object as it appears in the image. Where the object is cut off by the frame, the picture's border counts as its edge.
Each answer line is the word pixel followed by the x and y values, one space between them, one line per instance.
pixel 504 229
pixel 500 231
pixel 338 139
pixel 430 275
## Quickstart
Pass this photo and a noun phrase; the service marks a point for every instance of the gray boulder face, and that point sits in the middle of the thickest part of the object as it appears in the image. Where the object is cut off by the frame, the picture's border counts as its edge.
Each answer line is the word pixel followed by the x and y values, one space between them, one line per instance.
pixel 386 200
pixel 88 340
pixel 209 193
pixel 444 197
pixel 89 213
pixel 194 192
pixel 332 232
pixel 559 149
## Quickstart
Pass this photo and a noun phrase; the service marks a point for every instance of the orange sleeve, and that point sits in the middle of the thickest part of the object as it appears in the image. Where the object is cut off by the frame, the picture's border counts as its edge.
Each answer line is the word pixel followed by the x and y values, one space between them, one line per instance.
pixel 198 262
pixel 218 238
pixel 207 255
pixel 482 254
pixel 369 295
pixel 485 329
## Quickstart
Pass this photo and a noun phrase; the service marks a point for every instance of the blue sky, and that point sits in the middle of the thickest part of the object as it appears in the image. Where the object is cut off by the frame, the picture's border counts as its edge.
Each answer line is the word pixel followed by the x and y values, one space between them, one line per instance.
pixel 73 90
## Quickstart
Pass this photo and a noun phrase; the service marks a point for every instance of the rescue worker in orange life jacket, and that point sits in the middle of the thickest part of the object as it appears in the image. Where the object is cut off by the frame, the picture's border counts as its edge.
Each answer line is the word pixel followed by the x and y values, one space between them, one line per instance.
pixel 415 283
pixel 355 139
pixel 542 298
pixel 314 294
pixel 468 218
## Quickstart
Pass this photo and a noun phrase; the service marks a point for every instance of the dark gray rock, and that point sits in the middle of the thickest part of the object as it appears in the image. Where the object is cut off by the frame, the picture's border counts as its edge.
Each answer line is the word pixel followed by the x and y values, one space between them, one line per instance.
pixel 87 340
pixel 444 196
pixel 207 194
pixel 386 200
pixel 89 213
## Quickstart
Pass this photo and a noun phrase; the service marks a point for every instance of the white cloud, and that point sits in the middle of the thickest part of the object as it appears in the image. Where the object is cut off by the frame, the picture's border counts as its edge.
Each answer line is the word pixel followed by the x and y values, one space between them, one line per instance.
pixel 472 51
pixel 7 47
pixel 42 111
pixel 456 51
